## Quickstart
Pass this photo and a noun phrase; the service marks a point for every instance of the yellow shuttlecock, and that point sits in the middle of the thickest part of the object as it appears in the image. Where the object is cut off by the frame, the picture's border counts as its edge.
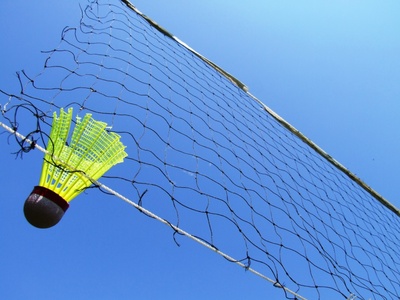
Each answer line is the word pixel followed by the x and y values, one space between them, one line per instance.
pixel 70 168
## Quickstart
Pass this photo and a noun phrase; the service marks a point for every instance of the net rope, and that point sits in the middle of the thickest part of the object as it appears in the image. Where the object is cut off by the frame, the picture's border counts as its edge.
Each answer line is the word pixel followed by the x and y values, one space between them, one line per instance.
pixel 211 161
pixel 150 214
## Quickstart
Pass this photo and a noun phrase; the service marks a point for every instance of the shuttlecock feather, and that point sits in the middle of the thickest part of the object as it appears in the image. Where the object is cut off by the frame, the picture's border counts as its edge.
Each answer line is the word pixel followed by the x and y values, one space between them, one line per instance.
pixel 70 168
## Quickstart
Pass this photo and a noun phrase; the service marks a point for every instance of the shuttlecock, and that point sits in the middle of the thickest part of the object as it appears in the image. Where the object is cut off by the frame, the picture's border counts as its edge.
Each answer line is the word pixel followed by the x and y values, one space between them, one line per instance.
pixel 69 169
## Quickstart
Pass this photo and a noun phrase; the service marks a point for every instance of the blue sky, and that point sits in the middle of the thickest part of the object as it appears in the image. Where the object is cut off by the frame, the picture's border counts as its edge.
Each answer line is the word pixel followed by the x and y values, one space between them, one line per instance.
pixel 331 69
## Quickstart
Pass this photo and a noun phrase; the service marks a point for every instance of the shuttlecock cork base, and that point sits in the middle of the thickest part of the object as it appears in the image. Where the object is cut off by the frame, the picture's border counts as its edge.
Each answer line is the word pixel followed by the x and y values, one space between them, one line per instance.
pixel 44 208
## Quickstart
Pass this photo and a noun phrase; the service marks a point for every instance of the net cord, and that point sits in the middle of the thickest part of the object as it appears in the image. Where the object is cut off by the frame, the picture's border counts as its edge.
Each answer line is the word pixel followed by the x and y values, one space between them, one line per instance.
pixel 282 121
pixel 160 219
pixel 329 158
pixel 206 60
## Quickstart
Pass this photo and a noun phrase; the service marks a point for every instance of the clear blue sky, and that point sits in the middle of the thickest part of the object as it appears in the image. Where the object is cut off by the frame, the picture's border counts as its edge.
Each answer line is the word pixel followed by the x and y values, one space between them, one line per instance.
pixel 331 69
